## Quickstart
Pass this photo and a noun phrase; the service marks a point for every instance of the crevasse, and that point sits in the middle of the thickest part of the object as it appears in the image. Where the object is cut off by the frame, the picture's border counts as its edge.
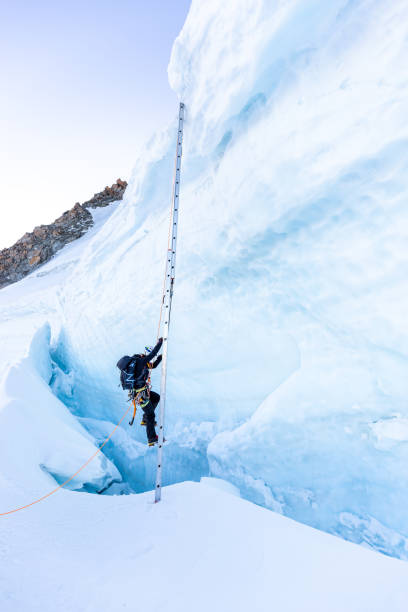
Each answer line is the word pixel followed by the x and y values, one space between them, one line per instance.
pixel 289 340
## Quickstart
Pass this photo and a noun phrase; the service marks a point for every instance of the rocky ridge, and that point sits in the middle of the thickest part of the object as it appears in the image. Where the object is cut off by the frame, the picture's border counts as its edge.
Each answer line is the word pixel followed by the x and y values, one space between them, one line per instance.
pixel 37 247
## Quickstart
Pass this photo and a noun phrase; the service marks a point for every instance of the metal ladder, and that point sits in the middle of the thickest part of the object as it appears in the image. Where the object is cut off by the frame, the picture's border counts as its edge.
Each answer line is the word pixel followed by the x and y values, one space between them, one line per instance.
pixel 167 299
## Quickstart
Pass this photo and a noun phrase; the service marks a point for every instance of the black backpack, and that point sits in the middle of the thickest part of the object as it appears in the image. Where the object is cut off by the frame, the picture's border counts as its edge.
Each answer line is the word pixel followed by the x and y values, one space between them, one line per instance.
pixel 127 368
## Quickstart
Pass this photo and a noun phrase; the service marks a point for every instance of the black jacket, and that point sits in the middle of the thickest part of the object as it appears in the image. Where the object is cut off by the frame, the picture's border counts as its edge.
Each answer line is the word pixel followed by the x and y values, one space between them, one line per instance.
pixel 143 364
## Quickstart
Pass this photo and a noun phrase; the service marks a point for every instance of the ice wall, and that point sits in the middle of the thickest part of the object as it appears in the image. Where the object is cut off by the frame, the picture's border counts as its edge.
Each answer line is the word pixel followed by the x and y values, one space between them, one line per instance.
pixel 289 335
pixel 41 443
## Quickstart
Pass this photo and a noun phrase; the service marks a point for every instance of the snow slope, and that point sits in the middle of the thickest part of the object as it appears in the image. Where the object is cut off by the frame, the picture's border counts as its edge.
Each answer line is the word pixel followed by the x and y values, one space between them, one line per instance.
pixel 40 440
pixel 199 549
pixel 288 353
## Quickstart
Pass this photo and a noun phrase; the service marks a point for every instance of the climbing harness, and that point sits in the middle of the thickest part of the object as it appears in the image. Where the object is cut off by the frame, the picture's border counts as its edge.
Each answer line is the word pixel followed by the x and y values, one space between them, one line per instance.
pixel 139 398
pixel 168 289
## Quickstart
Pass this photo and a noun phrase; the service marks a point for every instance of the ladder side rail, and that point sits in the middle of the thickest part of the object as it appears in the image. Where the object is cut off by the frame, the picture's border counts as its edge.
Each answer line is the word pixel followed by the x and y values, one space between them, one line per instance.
pixel 167 301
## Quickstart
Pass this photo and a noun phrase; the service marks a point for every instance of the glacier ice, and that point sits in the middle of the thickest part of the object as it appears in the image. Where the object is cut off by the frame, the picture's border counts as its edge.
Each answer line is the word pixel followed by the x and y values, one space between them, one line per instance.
pixel 40 438
pixel 289 340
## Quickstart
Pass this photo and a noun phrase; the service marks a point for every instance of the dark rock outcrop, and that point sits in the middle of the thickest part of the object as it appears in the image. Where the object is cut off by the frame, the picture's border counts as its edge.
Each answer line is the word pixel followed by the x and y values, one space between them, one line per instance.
pixel 107 196
pixel 37 247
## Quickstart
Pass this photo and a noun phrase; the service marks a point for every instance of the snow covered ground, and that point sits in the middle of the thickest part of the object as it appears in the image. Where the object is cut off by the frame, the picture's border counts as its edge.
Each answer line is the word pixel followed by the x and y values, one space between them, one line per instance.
pixel 199 549
pixel 39 437
pixel 289 341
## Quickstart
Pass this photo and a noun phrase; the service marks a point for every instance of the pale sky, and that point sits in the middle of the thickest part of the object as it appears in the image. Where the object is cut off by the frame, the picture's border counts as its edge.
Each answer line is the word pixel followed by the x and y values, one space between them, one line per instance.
pixel 83 85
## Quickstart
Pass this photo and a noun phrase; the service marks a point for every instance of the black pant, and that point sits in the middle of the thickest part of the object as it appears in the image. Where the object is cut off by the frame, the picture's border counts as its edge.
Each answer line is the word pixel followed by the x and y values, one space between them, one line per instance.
pixel 149 415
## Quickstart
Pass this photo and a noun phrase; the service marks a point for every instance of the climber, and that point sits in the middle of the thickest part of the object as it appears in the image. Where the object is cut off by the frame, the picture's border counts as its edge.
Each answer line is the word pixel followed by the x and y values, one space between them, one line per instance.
pixel 135 377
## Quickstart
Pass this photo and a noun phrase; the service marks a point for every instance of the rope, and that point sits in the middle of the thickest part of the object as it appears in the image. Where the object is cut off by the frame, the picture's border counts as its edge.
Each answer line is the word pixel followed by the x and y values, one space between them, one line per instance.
pixel 36 501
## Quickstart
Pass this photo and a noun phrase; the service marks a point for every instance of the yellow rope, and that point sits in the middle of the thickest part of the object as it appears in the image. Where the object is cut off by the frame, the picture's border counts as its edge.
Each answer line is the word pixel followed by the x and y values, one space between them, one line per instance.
pixel 36 501
pixel 110 435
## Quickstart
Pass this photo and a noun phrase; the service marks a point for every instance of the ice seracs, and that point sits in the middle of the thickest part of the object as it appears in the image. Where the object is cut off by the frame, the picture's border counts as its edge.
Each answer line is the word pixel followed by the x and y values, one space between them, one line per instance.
pixel 289 338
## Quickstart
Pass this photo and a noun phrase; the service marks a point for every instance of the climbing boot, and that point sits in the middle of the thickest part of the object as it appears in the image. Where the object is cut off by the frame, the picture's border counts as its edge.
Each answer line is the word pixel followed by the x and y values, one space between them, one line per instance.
pixel 154 441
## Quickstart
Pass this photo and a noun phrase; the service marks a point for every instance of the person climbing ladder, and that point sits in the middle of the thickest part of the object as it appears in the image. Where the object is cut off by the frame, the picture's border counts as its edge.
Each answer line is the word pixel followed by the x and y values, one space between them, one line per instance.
pixel 135 378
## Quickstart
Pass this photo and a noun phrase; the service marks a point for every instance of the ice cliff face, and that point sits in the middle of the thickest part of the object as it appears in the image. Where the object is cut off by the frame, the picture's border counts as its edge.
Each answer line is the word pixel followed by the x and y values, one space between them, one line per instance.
pixel 288 351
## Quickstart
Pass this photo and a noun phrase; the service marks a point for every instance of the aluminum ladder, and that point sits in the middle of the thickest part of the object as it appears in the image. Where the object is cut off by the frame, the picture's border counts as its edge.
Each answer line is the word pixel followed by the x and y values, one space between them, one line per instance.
pixel 168 297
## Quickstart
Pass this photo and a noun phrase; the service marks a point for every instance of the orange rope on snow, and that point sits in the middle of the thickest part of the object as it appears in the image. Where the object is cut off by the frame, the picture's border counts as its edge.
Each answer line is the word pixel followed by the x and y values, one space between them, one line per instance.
pixel 36 501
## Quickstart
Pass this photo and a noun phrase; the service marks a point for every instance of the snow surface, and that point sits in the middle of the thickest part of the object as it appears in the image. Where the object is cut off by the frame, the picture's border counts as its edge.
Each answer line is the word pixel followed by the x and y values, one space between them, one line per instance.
pixel 289 340
pixel 199 549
